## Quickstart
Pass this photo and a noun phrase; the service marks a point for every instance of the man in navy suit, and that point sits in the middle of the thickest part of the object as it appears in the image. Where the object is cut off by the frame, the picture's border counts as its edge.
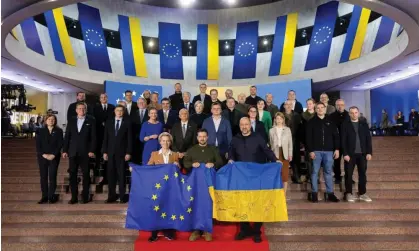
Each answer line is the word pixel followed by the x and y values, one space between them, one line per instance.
pixel 187 103
pixel 166 115
pixel 204 98
pixel 219 131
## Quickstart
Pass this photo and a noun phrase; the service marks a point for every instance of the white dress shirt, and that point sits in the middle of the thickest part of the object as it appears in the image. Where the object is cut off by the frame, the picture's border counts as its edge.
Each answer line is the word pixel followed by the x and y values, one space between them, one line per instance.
pixel 260 115
pixel 165 156
pixel 217 123
pixel 279 135
pixel 80 122
pixel 104 106
pixel 129 105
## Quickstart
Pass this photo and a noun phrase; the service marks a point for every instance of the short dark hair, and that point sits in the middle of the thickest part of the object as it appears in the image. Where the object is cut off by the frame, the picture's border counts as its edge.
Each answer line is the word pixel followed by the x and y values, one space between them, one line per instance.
pixel 353 107
pixel 231 98
pixel 165 99
pixel 48 116
pixel 128 91
pixel 253 86
pixel 120 106
pixel 311 99
pixel 80 92
pixel 202 130
pixel 320 103
pixel 215 104
pixel 291 91
pixel 250 107
pixel 214 90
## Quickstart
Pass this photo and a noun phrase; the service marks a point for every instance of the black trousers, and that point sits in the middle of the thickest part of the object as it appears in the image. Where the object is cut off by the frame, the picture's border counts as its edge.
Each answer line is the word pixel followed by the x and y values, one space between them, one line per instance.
pixel 296 160
pixel 247 229
pixel 336 166
pixel 82 162
pixel 48 172
pixel 116 172
pixel 361 162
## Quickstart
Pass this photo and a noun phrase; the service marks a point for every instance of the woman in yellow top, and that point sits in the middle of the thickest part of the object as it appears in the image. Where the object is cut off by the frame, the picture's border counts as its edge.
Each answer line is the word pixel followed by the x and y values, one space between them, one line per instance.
pixel 264 116
pixel 160 157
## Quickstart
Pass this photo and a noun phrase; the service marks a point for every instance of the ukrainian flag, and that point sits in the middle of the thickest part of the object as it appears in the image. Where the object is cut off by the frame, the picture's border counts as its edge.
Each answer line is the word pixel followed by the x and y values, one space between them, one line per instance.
pixel 132 46
pixel 207 66
pixel 14 33
pixel 60 39
pixel 356 33
pixel 249 192
pixel 283 45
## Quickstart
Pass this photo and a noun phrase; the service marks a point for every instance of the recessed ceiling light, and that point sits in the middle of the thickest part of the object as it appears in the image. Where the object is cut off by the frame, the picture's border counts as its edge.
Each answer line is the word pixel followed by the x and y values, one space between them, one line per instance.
pixel 230 2
pixel 265 42
pixel 186 3
pixel 150 43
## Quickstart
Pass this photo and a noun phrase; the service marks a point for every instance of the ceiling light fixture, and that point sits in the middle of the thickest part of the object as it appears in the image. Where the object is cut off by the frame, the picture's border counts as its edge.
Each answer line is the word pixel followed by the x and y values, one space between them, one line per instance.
pixel 186 3
pixel 265 41
pixel 230 2
pixel 150 43
pixel 227 46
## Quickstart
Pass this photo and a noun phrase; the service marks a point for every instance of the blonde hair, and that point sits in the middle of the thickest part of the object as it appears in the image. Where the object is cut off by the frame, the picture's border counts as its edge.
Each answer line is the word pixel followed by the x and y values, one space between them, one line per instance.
pixel 279 114
pixel 163 134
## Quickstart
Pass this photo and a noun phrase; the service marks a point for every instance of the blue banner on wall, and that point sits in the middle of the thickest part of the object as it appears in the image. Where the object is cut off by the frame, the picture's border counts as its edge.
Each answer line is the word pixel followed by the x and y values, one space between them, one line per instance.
pixel 246 49
pixel 171 64
pixel 116 90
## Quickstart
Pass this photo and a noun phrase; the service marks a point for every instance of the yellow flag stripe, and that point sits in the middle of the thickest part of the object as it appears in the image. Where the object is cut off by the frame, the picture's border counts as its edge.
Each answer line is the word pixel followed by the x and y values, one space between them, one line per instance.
pixel 63 35
pixel 289 43
pixel 360 34
pixel 213 61
pixel 137 47
pixel 14 34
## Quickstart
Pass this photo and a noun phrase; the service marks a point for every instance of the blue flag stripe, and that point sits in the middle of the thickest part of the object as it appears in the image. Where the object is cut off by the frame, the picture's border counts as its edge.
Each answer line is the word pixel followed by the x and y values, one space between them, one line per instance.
pixel 31 36
pixel 350 34
pixel 245 54
pixel 384 33
pixel 94 39
pixel 278 46
pixel 126 45
pixel 55 38
pixel 321 39
pixel 202 52
pixel 171 65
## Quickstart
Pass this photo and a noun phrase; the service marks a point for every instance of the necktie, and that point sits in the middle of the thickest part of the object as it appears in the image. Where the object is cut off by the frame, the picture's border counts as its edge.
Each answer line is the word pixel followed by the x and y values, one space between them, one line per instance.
pixel 141 115
pixel 117 127
pixel 165 116
pixel 187 106
pixel 184 130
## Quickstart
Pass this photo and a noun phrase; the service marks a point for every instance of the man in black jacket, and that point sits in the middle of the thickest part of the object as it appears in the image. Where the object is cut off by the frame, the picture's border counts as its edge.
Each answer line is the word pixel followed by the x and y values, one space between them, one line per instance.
pixel 204 98
pixel 233 115
pixel 253 98
pixel 322 143
pixel 357 150
pixel 176 99
pixel 186 103
pixel 249 147
pixel 338 117
pixel 102 113
pixel 295 105
pixel 167 116
pixel 131 106
pixel 117 149
pixel 79 146
pixel 71 111
pixel 184 134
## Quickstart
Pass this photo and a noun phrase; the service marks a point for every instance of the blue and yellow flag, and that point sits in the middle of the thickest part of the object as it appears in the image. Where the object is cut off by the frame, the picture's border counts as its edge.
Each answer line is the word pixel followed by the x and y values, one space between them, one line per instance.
pixel 132 46
pixel 31 36
pixel 170 45
pixel 163 198
pixel 250 192
pixel 60 41
pixel 283 45
pixel 321 38
pixel 355 35
pixel 384 33
pixel 207 64
pixel 94 39
pixel 246 50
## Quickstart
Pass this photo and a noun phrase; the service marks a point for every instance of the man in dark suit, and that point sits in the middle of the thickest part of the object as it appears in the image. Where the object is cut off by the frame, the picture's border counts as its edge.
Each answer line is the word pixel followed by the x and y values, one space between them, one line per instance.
pixel 204 98
pixel 71 111
pixel 229 94
pixel 102 112
pixel 117 149
pixel 166 115
pixel 184 134
pixel 79 146
pixel 140 116
pixel 176 99
pixel 233 115
pixel 187 103
pixel 293 121
pixel 214 98
pixel 295 105
pixel 253 99
pixel 131 105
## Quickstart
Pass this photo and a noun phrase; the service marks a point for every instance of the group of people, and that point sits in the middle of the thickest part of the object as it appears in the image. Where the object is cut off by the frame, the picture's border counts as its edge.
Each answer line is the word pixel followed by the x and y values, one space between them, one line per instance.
pixel 206 130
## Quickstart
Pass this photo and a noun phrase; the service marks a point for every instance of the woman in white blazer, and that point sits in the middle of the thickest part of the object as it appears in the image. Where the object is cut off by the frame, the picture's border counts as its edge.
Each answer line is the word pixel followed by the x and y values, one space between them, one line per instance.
pixel 280 139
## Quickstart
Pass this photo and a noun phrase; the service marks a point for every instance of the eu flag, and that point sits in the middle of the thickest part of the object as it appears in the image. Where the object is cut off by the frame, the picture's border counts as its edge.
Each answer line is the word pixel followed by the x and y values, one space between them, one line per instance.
pixel 246 49
pixel 163 198
pixel 94 39
pixel 321 38
pixel 171 65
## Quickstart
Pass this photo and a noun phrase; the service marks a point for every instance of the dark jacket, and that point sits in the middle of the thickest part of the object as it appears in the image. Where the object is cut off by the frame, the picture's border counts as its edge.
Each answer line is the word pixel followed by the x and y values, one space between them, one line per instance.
pixel 348 137
pixel 172 118
pixel 224 103
pixel 101 117
pixel 191 109
pixel 47 143
pixel 121 143
pixel 176 101
pixel 260 130
pixel 198 119
pixel 250 148
pixel 222 136
pixel 223 106
pixel 295 126
pixel 181 144
pixel 322 135
pixel 298 108
pixel 82 142
pixel 234 118
pixel 207 102
pixel 136 122
pixel 339 117
pixel 253 101
pixel 71 111
pixel 134 108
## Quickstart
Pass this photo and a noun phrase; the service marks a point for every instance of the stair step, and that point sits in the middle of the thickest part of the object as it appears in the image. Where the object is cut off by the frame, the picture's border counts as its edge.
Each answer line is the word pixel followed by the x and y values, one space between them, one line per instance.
pixel 14 245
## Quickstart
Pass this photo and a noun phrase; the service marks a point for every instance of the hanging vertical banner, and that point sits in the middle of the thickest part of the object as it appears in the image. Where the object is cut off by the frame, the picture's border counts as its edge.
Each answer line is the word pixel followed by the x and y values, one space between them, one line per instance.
pixel 207 65
pixel 246 49
pixel 170 44
pixel 384 33
pixel 31 36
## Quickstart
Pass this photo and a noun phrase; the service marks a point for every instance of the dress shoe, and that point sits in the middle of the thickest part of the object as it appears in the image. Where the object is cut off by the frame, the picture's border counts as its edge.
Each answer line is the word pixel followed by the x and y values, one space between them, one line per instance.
pixel 43 201
pixel 207 236
pixel 194 236
pixel 257 239
pixel 169 235
pixel 314 198
pixel 123 201
pixel 330 197
pixel 85 201
pixel 73 201
pixel 153 238
pixel 54 199
pixel 110 201
pixel 241 236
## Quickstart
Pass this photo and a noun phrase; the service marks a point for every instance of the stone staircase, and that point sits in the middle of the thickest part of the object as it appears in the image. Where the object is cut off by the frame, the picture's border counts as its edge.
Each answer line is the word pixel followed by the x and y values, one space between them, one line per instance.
pixel 390 222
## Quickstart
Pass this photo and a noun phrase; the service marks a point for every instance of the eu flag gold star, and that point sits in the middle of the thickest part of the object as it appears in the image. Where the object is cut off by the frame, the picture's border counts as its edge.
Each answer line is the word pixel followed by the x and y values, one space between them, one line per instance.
pixel 166 177
pixel 182 180
pixel 156 208
pixel 181 217
pixel 158 186
pixel 163 215
pixel 176 174
pixel 189 210
pixel 173 217
pixel 191 198
pixel 154 197
pixel 188 188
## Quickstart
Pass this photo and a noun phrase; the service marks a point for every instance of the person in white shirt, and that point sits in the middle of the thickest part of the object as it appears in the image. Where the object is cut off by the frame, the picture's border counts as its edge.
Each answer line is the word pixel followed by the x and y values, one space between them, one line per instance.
pixel 131 106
